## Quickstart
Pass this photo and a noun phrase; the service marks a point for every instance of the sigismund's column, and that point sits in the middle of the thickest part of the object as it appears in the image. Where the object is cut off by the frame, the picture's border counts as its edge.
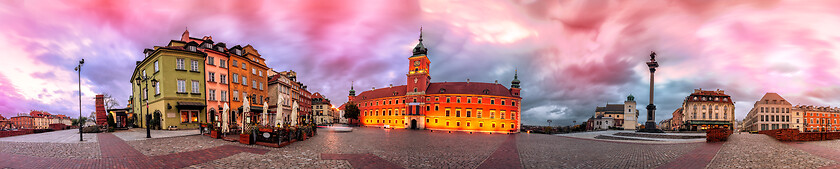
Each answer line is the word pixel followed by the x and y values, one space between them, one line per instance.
pixel 650 125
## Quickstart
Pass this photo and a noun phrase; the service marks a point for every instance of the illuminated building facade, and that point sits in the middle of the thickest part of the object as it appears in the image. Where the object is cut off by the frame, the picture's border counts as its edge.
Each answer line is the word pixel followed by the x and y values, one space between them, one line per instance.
pixel 458 106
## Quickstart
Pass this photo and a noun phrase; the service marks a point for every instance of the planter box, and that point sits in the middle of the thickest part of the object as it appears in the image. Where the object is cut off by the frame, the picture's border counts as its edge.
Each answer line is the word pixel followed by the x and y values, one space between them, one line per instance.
pixel 245 139
pixel 214 134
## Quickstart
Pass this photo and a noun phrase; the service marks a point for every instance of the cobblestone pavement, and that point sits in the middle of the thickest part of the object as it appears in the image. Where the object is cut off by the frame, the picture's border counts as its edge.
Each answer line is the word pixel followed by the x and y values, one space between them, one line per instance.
pixel 405 148
pixel 378 148
pixel 61 136
pixel 163 146
pixel 546 151
pixel 761 151
pixel 54 150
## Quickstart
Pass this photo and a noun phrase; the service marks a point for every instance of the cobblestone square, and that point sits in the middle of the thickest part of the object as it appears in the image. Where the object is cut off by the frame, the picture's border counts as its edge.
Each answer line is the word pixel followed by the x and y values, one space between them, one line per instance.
pixel 384 148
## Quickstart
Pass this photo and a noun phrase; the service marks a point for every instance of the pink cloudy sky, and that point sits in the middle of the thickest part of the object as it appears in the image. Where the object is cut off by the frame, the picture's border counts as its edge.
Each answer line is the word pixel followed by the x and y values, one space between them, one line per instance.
pixel 571 55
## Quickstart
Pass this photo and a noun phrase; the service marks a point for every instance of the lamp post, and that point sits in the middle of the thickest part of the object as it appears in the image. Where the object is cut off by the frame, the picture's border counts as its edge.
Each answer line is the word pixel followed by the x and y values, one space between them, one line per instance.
pixel 79 121
pixel 145 80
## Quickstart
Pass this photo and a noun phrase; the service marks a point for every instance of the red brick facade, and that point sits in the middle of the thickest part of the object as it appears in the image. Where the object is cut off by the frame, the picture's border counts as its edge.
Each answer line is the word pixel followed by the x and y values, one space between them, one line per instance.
pixel 795 135
pixel 101 116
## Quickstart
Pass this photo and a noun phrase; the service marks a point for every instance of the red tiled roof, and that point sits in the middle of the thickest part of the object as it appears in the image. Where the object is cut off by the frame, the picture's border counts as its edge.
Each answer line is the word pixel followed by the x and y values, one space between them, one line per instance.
pixel 317 96
pixel 477 88
pixel 382 92
pixel 36 113
pixel 710 96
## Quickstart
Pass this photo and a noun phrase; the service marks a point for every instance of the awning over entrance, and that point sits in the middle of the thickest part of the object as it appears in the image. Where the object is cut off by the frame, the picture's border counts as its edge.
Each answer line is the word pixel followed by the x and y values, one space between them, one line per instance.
pixel 190 105
pixel 253 109
pixel 707 122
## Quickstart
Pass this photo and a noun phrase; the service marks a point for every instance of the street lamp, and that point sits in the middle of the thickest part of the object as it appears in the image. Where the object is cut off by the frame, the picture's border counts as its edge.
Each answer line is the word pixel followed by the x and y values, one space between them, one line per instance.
pixel 79 121
pixel 154 84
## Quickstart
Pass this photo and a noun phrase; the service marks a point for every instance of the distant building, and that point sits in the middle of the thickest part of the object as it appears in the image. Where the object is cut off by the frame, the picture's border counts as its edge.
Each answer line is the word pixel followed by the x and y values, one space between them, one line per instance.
pixel 5 123
pixel 676 119
pixel 322 109
pixel 703 110
pixel 625 115
pixel 600 123
pixel 769 113
pixel 23 121
pixel 819 119
pixel 665 124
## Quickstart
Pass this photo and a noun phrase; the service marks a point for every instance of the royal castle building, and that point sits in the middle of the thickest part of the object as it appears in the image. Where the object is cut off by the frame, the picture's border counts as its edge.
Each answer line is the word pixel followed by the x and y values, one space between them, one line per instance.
pixel 453 106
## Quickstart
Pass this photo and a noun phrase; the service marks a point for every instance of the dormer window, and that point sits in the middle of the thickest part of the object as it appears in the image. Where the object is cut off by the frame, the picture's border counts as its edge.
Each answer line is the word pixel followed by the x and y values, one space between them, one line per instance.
pixel 486 91
pixel 220 49
pixel 237 52
pixel 208 46
pixel 191 48
pixel 442 90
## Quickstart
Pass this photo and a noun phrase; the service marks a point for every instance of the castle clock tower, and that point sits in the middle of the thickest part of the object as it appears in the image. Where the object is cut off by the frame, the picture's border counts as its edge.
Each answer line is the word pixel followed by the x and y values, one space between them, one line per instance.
pixel 417 81
pixel 418 78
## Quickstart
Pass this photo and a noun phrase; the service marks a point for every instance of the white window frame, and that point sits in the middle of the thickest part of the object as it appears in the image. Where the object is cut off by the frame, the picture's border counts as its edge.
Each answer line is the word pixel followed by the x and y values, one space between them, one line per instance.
pixel 182 88
pixel 157 88
pixel 211 77
pixel 194 65
pixel 223 78
pixel 195 86
pixel 157 69
pixel 179 64
pixel 244 80
pixel 211 60
pixel 211 94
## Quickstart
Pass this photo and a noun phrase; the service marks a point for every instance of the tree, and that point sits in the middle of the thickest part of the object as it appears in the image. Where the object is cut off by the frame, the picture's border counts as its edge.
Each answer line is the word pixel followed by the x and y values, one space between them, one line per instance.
pixel 75 122
pixel 351 111
pixel 110 102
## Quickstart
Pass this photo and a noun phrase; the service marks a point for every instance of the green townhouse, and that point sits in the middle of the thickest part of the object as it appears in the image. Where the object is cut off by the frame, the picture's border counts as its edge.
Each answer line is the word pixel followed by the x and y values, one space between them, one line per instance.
pixel 169 86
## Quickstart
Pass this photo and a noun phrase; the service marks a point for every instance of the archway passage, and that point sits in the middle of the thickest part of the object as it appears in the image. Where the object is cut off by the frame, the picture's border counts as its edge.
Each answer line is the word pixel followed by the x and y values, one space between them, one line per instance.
pixel 414 124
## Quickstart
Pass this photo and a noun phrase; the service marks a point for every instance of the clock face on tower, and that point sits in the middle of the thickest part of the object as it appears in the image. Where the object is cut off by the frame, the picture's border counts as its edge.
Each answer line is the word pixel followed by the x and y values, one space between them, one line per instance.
pixel 417 63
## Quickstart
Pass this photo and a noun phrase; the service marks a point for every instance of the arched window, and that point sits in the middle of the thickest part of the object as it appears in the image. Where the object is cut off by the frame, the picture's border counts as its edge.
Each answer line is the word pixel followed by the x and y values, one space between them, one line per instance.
pixel 415 89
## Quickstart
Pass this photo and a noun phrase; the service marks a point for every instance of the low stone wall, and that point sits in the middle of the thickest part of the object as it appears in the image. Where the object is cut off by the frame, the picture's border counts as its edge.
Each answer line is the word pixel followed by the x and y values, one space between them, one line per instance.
pixel 795 135
pixel 717 134
pixel 16 133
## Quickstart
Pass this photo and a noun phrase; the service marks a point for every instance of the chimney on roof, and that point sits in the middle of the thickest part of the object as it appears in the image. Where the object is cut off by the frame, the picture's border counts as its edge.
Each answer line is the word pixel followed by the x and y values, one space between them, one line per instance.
pixel 468 80
pixel 390 85
pixel 497 82
pixel 372 88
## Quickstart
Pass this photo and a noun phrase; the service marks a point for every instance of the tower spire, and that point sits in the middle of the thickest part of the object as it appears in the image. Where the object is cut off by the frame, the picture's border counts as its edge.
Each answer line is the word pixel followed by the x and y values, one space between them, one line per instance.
pixel 515 82
pixel 420 49
pixel 421 33
pixel 352 92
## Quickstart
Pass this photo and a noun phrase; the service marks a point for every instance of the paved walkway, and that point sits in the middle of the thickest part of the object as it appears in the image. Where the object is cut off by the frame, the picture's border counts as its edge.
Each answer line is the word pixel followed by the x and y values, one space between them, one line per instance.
pixel 611 135
pixel 140 134
pixel 61 136
pixel 117 154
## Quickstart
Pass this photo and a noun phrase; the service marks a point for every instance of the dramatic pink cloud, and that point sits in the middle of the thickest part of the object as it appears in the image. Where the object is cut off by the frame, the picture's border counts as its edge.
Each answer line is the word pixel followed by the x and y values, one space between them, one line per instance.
pixel 571 55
